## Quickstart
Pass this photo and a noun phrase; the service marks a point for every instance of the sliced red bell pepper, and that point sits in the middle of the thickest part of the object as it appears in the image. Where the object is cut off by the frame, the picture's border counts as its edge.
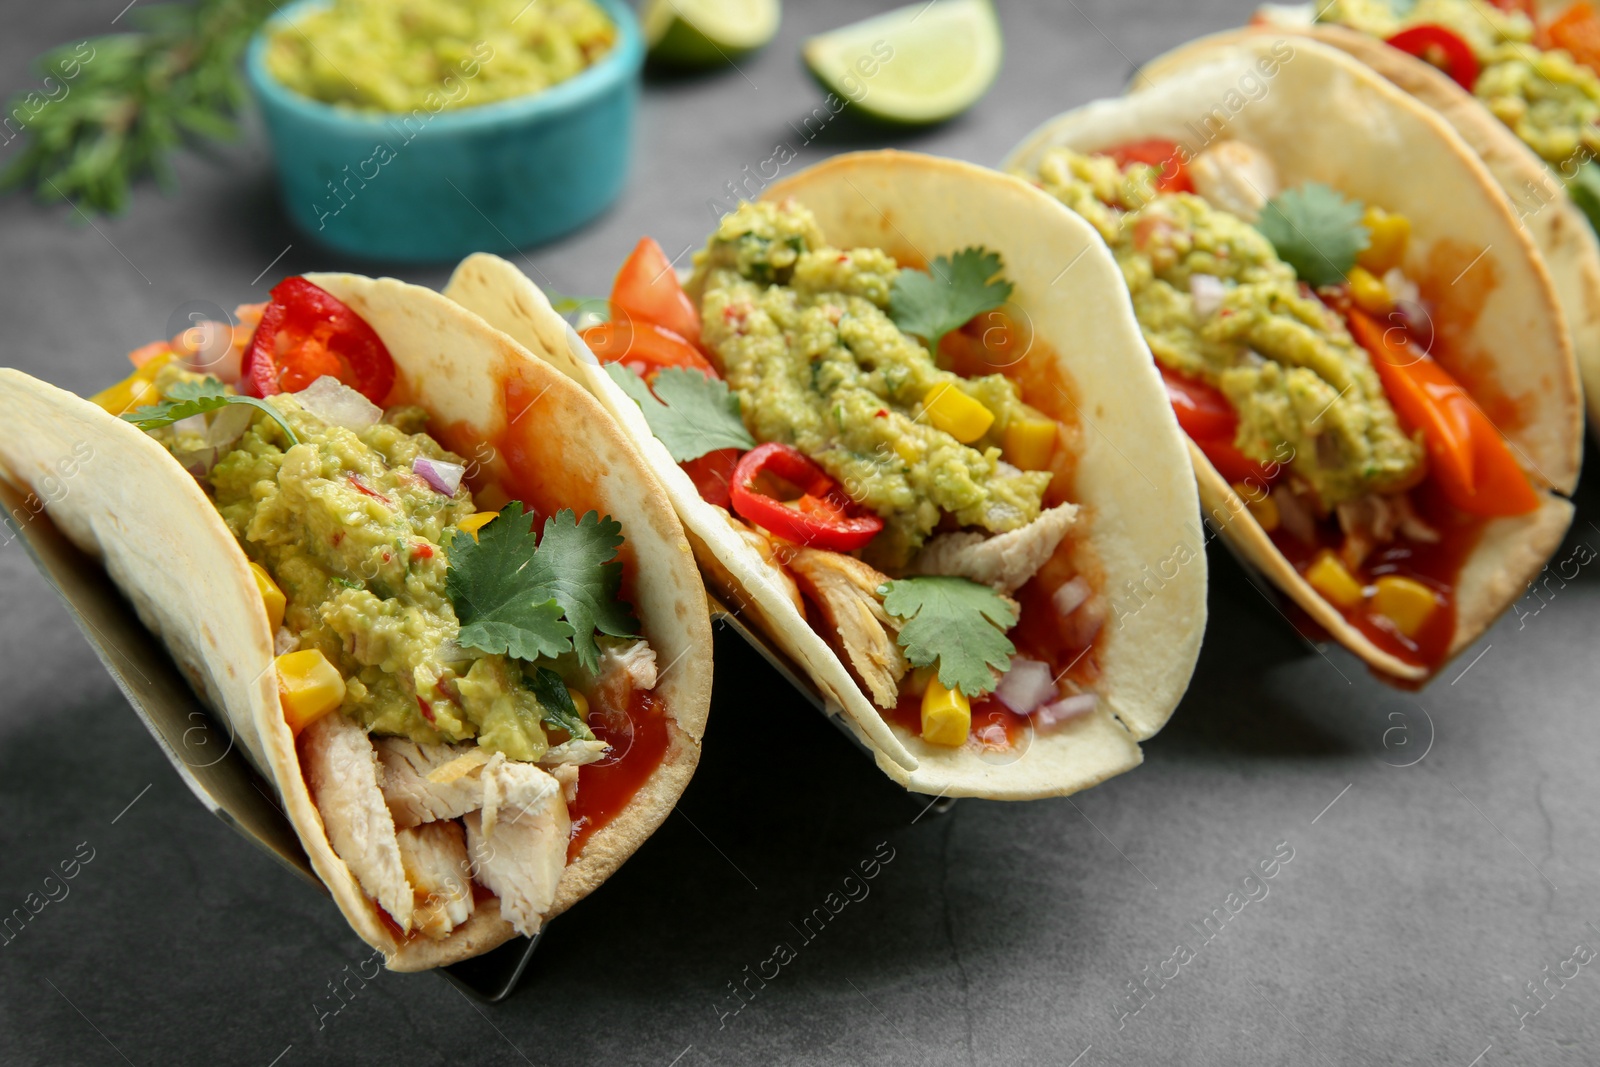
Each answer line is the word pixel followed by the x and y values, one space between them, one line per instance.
pixel 307 332
pixel 1469 457
pixel 823 517
pixel 647 290
pixel 645 348
pixel 1442 48
pixel 1167 155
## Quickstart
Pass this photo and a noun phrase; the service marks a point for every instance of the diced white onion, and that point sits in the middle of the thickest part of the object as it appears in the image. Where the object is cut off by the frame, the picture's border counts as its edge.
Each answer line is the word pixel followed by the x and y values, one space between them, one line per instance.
pixel 284 642
pixel 228 425
pixel 1026 686
pixel 1053 715
pixel 1402 290
pixel 1207 290
pixel 1070 596
pixel 444 477
pixel 193 424
pixel 337 404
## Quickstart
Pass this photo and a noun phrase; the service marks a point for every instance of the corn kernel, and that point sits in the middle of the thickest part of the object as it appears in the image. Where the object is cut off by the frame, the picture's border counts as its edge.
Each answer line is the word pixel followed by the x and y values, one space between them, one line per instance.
pixel 946 715
pixel 308 687
pixel 271 595
pixel 130 393
pixel 580 702
pixel 1262 506
pixel 956 413
pixel 1406 603
pixel 1369 292
pixel 1337 585
pixel 1386 240
pixel 473 523
pixel 1029 443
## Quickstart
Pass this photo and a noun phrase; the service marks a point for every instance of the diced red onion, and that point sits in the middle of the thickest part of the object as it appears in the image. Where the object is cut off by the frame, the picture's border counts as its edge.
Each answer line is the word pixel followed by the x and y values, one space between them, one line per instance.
pixel 444 477
pixel 1070 596
pixel 193 424
pixel 1079 629
pixel 337 404
pixel 207 348
pixel 228 425
pixel 1052 716
pixel 1026 686
pixel 1295 516
pixel 1207 291
pixel 199 461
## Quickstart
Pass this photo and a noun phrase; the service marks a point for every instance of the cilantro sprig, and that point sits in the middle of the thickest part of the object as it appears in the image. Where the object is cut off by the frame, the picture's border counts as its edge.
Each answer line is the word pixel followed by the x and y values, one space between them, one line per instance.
pixel 188 399
pixel 688 412
pixel 1316 231
pixel 555 703
pixel 945 297
pixel 955 622
pixel 528 598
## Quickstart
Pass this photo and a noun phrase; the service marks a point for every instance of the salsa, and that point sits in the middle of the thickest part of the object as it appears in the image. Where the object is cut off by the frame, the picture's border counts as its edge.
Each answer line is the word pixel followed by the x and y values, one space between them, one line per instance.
pixel 639 739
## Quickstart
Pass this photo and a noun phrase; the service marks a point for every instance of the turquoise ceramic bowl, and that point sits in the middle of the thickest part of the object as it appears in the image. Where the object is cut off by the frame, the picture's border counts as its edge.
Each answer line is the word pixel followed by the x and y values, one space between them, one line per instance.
pixel 428 186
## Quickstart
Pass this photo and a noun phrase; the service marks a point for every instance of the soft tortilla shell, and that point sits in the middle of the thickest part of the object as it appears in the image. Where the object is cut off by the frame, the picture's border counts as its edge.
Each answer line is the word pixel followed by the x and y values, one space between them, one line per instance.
pixel 1328 118
pixel 167 548
pixel 1132 476
pixel 1563 236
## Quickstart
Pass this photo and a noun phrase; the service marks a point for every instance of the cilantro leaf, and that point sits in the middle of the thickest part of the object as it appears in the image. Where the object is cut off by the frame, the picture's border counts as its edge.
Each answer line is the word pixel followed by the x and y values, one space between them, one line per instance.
pixel 688 412
pixel 1316 231
pixel 187 399
pixel 957 622
pixel 556 707
pixel 1585 192
pixel 929 304
pixel 527 599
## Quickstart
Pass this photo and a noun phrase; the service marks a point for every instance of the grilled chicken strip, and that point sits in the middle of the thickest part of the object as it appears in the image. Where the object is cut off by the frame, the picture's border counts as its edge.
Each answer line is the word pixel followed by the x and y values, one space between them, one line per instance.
pixel 434 856
pixel 423 783
pixel 518 842
pixel 845 590
pixel 342 770
pixel 1005 561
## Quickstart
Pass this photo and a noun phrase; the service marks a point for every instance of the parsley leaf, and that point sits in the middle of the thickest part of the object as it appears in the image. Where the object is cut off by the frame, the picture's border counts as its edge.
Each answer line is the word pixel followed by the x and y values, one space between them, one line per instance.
pixel 957 622
pixel 555 704
pixel 929 304
pixel 527 599
pixel 688 412
pixel 187 399
pixel 1316 231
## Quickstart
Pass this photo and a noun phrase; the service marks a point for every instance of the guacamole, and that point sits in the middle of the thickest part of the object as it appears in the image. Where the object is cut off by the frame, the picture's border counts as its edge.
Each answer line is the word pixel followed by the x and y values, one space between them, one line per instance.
pixel 804 340
pixel 356 540
pixel 397 57
pixel 1547 98
pixel 1282 358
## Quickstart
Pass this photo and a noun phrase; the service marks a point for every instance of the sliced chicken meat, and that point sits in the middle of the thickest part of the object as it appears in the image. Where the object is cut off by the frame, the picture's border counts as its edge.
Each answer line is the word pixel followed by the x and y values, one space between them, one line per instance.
pixel 518 843
pixel 1005 561
pixel 845 590
pixel 423 783
pixel 342 770
pixel 434 856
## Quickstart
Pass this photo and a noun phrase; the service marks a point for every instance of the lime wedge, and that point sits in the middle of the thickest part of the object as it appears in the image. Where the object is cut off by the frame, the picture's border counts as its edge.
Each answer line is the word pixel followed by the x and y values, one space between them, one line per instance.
pixel 705 33
pixel 914 65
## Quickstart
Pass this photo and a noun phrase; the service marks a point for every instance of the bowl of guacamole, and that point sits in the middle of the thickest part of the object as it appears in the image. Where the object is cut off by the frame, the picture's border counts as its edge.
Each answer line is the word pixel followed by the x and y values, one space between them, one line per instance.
pixel 424 130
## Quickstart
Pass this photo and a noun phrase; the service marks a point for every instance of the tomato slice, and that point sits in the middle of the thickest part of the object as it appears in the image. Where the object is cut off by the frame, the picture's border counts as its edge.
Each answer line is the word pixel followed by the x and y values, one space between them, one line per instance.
pixel 712 475
pixel 647 290
pixel 1442 48
pixel 1174 177
pixel 823 517
pixel 644 347
pixel 1202 410
pixel 1577 29
pixel 307 332
pixel 1469 457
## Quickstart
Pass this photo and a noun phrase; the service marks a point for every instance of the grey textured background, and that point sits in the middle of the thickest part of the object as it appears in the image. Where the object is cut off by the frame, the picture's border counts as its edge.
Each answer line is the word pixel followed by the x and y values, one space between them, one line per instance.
pixel 1412 913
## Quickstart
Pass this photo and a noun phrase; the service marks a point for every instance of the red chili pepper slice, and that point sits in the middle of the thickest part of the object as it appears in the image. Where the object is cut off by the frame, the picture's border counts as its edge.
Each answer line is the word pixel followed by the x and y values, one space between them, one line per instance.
pixel 1167 155
pixel 823 517
pixel 307 332
pixel 1442 48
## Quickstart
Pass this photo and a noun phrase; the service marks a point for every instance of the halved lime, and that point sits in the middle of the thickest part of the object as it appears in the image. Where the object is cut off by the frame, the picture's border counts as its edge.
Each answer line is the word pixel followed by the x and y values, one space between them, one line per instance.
pixel 704 33
pixel 915 65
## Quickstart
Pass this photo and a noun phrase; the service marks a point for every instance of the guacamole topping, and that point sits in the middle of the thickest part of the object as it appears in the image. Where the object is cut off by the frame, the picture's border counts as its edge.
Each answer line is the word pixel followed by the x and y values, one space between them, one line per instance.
pixel 1282 358
pixel 1549 100
pixel 802 332
pixel 356 541
pixel 378 55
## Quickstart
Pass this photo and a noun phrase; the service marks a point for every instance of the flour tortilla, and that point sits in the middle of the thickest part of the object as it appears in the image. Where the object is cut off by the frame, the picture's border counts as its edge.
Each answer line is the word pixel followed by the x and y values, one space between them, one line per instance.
pixel 165 545
pixel 1132 478
pixel 1560 231
pixel 1328 118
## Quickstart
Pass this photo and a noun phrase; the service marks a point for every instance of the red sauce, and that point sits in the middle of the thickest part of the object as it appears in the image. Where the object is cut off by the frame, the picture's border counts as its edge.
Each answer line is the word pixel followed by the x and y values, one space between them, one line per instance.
pixel 639 738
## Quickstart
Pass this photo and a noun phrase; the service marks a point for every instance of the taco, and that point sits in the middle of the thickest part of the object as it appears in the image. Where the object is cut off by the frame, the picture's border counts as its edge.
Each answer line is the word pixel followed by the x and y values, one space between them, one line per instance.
pixel 989 559
pixel 1362 344
pixel 431 591
pixel 1518 81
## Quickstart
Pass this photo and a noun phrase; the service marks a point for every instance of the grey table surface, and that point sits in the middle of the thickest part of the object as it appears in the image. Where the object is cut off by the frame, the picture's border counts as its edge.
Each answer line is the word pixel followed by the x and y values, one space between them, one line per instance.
pixel 1443 846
